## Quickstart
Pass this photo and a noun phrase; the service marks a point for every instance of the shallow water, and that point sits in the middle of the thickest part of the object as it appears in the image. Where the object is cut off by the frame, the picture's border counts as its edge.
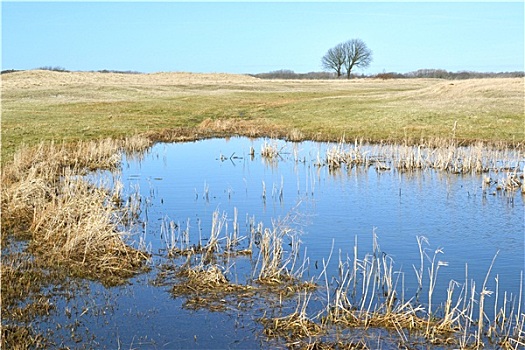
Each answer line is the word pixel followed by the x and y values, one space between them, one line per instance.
pixel 186 182
pixel 190 181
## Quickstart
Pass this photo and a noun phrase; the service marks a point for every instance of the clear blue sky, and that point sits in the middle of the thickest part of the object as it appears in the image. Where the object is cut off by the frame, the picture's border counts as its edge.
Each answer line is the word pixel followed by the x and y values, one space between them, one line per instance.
pixel 247 37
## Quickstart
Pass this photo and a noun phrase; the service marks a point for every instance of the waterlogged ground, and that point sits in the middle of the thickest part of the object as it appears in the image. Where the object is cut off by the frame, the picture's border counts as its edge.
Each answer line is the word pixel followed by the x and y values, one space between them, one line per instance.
pixel 180 186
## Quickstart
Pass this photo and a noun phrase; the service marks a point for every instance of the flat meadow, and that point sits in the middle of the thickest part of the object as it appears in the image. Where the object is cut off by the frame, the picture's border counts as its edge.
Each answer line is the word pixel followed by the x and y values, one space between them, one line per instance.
pixel 70 106
pixel 75 245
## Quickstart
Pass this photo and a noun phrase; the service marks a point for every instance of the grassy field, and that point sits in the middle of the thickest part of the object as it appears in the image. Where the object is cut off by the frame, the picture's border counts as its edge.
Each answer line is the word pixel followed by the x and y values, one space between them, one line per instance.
pixel 71 106
pixel 72 227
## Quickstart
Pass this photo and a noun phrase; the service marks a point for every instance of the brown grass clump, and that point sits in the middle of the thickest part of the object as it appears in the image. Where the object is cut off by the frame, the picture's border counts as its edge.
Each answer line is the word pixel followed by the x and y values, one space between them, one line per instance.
pixel 79 228
pixel 294 327
pixel 69 221
pixel 208 287
pixel 17 337
pixel 291 327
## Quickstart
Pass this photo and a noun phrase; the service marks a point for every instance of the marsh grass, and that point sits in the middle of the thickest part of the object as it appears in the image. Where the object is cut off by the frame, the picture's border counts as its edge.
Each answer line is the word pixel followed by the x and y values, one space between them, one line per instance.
pixel 295 326
pixel 70 228
pixel 276 266
pixel 67 219
pixel 221 242
pixel 270 150
pixel 206 286
pixel 367 295
pixel 504 165
pixel 80 229
pixel 200 268
pixel 439 154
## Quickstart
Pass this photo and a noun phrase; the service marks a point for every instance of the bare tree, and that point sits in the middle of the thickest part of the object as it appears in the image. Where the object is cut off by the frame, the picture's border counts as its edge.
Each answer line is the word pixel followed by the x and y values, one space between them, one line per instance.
pixel 335 59
pixel 356 54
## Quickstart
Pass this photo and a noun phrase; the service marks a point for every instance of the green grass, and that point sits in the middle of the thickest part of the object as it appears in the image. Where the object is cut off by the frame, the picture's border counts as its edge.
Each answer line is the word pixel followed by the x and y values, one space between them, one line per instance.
pixel 48 106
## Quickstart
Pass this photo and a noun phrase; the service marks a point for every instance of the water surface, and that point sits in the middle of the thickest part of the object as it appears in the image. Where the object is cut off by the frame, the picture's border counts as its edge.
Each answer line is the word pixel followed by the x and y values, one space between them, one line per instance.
pixel 185 183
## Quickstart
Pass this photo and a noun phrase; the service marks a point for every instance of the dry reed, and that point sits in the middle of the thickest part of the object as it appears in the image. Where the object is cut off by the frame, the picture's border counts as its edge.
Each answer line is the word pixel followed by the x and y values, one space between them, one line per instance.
pixel 367 296
pixel 275 266
pixel 68 220
pixel 295 326
pixel 270 150
pixel 444 155
pixel 78 228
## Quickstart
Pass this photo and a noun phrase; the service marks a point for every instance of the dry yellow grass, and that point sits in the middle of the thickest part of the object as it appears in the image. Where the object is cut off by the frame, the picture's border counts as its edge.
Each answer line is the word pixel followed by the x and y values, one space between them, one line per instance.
pixel 47 105
pixel 68 221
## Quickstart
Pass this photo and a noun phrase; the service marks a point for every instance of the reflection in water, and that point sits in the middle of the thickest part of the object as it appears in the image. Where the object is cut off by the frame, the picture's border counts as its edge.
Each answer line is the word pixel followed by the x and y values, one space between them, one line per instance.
pixel 191 180
pixel 334 206
pixel 451 210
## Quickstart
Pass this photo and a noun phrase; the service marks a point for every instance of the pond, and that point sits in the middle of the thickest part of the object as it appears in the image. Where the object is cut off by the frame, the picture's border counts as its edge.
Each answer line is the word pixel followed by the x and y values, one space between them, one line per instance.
pixel 470 224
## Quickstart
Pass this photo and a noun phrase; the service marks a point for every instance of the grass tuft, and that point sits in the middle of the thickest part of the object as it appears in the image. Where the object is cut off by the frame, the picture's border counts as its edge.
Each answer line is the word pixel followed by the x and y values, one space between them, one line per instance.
pixel 68 220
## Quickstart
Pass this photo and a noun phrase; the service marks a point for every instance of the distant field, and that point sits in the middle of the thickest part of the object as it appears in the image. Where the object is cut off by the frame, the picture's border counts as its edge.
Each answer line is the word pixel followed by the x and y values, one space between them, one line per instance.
pixel 60 106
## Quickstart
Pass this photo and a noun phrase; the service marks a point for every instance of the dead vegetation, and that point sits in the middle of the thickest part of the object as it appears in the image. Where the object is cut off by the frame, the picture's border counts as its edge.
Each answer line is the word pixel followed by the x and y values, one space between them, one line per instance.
pixel 291 328
pixel 207 287
pixel 72 223
pixel 270 150
pixel 438 154
pixel 68 220
pixel 80 229
pixel 71 227
pixel 368 295
pixel 199 270
pixel 504 164
pixel 367 299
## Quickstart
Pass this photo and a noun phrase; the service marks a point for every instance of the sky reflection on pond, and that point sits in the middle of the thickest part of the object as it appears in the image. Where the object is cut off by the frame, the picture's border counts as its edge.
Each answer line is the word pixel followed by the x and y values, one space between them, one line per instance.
pixel 188 181
pixel 185 183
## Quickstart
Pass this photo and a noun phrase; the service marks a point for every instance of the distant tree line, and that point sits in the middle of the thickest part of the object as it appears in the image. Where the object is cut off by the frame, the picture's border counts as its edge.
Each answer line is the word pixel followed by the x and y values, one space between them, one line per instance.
pixel 421 73
pixel 290 74
pixel 62 69
pixel 118 71
pixel 54 69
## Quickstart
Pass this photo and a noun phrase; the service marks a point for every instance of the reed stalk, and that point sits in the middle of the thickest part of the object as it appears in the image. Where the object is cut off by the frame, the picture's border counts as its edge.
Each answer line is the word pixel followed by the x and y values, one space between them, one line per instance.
pixel 270 150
